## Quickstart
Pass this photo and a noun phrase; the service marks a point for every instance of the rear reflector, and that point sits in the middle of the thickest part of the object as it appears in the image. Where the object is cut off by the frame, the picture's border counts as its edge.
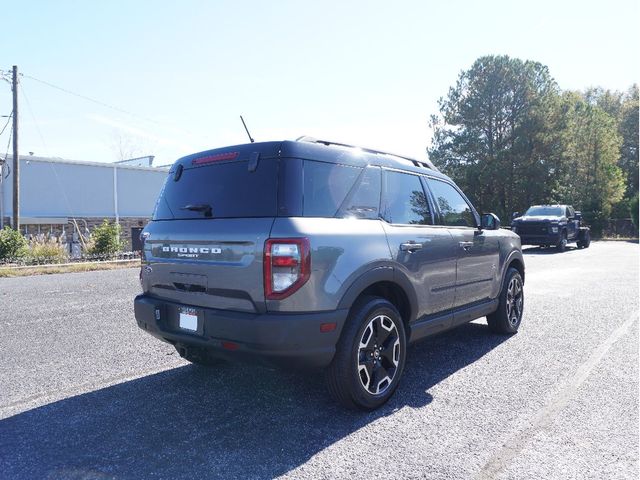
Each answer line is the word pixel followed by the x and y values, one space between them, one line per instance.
pixel 230 345
pixel 327 327
pixel 215 158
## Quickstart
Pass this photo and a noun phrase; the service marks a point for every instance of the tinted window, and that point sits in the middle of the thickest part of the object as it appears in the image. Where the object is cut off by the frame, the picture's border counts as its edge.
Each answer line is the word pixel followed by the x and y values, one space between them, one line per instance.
pixel 365 200
pixel 228 188
pixel 454 210
pixel 405 201
pixel 325 187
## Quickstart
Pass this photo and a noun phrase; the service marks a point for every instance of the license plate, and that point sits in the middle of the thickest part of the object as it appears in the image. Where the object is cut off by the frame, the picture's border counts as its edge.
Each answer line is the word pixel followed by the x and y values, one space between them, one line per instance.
pixel 188 320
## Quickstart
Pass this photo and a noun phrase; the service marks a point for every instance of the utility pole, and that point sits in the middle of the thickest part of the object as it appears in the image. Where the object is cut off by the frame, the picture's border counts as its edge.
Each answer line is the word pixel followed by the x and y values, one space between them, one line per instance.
pixel 16 158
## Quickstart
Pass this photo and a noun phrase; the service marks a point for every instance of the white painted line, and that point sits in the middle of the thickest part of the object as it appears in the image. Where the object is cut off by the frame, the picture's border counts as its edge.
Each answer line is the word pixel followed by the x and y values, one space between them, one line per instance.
pixel 501 460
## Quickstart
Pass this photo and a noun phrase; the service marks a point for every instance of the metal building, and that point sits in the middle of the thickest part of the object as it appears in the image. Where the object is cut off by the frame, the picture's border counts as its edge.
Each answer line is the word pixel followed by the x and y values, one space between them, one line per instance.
pixel 56 194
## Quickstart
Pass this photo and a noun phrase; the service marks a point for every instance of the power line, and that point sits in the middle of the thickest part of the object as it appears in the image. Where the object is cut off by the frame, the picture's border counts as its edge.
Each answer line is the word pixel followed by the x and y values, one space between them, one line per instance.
pixel 33 117
pixel 89 99
pixel 4 160
pixel 51 165
pixel 5 125
pixel 106 105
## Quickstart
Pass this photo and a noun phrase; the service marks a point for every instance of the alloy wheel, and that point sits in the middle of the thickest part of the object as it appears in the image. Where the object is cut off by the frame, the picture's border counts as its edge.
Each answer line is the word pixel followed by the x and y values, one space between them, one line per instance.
pixel 514 300
pixel 378 354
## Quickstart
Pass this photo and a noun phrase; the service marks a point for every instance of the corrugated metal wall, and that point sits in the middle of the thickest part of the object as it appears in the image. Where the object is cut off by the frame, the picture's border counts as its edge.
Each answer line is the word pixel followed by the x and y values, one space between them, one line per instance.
pixel 51 188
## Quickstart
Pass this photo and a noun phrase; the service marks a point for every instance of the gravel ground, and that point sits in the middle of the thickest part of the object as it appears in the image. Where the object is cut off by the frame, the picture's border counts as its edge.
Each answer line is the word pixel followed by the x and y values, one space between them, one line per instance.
pixel 85 394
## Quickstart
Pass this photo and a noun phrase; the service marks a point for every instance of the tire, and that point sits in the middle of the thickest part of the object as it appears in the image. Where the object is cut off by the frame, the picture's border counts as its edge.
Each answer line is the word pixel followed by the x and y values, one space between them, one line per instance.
pixel 585 239
pixel 562 244
pixel 198 356
pixel 370 356
pixel 506 319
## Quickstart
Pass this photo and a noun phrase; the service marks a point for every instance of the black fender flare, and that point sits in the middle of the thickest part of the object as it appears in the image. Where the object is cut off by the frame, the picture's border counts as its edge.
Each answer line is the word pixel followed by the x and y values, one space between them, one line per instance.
pixel 376 275
pixel 514 255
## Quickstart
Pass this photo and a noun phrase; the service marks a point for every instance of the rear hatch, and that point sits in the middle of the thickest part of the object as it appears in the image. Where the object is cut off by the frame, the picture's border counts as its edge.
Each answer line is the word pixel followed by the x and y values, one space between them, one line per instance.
pixel 205 244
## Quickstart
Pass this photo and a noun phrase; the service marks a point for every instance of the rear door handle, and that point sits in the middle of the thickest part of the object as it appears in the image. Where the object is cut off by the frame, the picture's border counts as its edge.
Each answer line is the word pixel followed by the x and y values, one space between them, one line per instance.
pixel 466 245
pixel 410 246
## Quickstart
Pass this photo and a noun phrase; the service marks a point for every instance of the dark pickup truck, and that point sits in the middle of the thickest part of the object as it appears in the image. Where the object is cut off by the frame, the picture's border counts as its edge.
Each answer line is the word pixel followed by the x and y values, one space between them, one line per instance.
pixel 551 225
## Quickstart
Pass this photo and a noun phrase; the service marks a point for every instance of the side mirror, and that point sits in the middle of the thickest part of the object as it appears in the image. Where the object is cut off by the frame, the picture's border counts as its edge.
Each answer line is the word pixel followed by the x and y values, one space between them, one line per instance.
pixel 490 221
pixel 514 215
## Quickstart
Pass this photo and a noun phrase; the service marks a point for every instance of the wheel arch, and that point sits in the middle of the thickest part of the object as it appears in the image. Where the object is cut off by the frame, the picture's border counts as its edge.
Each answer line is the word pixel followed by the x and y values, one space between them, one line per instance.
pixel 518 264
pixel 384 282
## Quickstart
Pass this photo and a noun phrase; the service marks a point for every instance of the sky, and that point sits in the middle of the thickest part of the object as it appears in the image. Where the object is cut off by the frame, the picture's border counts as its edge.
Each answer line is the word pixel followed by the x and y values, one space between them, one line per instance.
pixel 172 78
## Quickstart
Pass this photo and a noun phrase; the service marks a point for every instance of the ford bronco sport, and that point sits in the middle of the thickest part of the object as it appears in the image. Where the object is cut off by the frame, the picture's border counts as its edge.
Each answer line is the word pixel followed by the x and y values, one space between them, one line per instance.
pixel 315 254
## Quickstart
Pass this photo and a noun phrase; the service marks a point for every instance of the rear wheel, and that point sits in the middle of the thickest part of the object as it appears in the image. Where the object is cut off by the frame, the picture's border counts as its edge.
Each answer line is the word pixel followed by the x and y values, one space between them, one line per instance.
pixel 585 239
pixel 506 319
pixel 370 356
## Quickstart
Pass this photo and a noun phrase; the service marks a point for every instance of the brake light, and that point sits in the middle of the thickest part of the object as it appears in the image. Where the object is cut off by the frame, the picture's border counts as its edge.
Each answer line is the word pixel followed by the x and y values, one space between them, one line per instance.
pixel 214 158
pixel 287 266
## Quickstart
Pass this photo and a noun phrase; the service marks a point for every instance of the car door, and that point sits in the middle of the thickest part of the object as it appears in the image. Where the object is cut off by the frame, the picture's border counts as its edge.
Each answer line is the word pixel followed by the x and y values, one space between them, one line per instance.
pixel 423 251
pixel 477 275
pixel 571 223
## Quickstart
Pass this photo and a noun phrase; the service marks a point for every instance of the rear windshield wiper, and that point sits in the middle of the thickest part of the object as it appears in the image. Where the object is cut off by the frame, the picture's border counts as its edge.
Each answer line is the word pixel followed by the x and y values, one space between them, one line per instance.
pixel 199 207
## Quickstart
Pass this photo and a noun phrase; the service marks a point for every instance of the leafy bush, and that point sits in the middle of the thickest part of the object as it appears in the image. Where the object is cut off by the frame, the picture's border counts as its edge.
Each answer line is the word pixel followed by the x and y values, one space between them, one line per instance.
pixel 12 244
pixel 105 239
pixel 46 250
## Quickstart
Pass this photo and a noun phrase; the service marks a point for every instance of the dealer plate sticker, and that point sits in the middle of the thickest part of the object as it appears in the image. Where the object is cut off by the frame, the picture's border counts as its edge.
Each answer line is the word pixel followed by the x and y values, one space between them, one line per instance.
pixel 189 320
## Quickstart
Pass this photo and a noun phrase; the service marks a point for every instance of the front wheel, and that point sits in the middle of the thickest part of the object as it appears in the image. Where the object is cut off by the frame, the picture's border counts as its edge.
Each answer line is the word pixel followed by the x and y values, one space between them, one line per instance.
pixel 370 356
pixel 506 319
pixel 562 244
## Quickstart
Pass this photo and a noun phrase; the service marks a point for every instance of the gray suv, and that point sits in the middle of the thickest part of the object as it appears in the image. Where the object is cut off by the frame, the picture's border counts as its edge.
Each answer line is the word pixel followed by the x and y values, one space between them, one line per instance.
pixel 312 254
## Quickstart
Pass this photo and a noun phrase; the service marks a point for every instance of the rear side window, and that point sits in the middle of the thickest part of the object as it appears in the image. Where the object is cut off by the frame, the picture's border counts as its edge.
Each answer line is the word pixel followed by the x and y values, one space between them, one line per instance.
pixel 454 209
pixel 364 201
pixel 405 201
pixel 228 188
pixel 325 186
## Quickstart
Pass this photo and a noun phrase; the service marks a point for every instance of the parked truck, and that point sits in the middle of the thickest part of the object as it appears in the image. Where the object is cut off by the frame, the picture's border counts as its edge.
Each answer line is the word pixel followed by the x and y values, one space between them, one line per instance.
pixel 551 226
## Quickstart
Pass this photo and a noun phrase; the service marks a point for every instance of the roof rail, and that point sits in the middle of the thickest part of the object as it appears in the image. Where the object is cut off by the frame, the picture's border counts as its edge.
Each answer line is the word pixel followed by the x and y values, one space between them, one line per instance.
pixel 418 163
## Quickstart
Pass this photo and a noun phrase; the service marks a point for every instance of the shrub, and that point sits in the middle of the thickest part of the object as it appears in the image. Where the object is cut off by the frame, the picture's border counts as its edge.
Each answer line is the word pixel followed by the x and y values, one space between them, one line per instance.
pixel 12 244
pixel 46 250
pixel 633 207
pixel 105 239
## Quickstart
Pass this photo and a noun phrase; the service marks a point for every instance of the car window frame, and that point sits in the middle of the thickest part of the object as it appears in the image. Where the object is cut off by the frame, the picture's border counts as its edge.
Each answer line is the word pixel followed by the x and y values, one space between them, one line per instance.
pixel 440 219
pixel 384 197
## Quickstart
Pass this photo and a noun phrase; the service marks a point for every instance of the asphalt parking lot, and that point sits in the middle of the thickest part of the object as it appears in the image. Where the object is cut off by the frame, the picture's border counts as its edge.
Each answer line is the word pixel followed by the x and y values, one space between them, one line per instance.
pixel 85 394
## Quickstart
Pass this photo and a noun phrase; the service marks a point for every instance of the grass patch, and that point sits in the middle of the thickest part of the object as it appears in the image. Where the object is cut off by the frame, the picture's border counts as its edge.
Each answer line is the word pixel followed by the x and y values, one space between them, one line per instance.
pixel 67 268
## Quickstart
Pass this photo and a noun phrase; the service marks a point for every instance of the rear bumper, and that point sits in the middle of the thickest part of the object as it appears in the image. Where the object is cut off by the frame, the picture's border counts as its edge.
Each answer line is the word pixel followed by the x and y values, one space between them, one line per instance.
pixel 289 340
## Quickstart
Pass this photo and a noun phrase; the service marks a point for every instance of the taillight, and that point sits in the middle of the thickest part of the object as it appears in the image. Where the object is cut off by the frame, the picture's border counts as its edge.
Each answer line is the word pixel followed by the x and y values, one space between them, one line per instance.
pixel 287 266
pixel 218 157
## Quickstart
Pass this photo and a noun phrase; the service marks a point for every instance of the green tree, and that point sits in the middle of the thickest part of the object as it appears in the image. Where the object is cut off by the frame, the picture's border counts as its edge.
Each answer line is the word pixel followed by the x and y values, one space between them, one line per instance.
pixel 623 108
pixel 496 133
pixel 590 178
pixel 105 239
pixel 633 209
pixel 628 128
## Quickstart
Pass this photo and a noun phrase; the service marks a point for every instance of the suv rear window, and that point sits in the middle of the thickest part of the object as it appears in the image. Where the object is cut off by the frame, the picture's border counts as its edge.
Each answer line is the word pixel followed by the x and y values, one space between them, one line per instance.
pixel 227 187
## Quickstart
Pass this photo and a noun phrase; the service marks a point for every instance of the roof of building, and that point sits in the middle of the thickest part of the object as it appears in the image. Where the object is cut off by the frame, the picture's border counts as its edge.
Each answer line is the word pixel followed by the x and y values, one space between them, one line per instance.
pixel 34 158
